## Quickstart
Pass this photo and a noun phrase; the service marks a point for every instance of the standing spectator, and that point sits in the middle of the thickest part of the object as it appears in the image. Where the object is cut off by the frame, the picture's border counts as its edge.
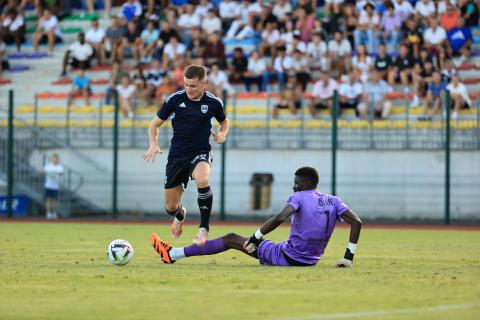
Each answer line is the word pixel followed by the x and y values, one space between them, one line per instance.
pixel 48 30
pixel 375 97
pixel 459 95
pixel 13 28
pixel 80 53
pixel 322 94
pixel 391 23
pixel 80 86
pixel 434 37
pixel 459 41
pixel 433 101
pixel 351 94
pixel 53 172
pixel 149 37
pixel 215 51
pixel 290 97
pixel 339 51
pixel 131 10
pixel 126 94
pixel 218 81
pixel 239 65
pixel 282 64
pixel 211 23
pixel 383 62
pixel 255 70
pixel 114 39
pixel 95 37
pixel 368 28
pixel 449 18
pixel 317 51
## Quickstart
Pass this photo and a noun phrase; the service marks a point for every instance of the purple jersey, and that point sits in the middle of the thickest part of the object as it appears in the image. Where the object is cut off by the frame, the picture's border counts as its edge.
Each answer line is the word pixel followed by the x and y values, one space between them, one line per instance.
pixel 312 224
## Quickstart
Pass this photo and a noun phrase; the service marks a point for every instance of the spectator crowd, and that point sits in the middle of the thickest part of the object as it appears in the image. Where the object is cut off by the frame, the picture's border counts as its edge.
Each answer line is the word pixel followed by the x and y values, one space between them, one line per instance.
pixel 362 49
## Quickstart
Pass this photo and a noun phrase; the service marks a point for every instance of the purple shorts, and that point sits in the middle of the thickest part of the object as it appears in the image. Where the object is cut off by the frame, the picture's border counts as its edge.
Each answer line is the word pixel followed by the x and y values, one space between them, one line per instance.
pixel 271 253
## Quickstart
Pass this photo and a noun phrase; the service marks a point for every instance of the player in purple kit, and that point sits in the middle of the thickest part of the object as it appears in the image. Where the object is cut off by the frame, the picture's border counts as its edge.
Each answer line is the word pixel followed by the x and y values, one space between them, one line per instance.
pixel 313 217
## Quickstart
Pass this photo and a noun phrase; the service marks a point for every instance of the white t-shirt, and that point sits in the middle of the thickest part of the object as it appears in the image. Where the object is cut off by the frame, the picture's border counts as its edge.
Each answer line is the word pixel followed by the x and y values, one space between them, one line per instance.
pixel 170 51
pixel 127 92
pixel 435 37
pixel 257 67
pixel 95 36
pixel 364 19
pixel 423 9
pixel 324 92
pixel 202 10
pixel 461 89
pixel 316 50
pixel 282 64
pixel 270 37
pixel 53 175
pixel 212 25
pixel 50 24
pixel 219 79
pixel 404 9
pixel 351 91
pixel 339 49
pixel 80 52
pixel 281 11
pixel 15 24
pixel 229 9
pixel 188 21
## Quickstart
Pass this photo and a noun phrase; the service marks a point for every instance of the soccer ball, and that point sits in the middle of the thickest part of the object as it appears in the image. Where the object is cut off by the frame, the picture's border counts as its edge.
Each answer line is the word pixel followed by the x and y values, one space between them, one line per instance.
pixel 120 252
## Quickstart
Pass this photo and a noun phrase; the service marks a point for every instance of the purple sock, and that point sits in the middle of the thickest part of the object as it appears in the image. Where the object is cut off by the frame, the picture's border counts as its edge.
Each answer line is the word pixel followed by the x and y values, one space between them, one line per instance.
pixel 210 247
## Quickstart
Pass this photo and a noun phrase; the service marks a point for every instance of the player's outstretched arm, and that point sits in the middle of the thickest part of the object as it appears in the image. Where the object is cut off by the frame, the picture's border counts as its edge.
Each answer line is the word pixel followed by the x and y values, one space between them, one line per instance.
pixel 153 149
pixel 351 218
pixel 222 133
pixel 269 225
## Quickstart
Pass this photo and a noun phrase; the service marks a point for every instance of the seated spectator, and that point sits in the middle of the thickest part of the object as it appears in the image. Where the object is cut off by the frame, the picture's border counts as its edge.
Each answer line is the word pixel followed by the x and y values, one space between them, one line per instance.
pixel 3 63
pixel 368 28
pixel 282 10
pixel 402 68
pixel 80 86
pixel 332 6
pixel 229 11
pixel 322 94
pixel 238 65
pixel 131 11
pixel 48 30
pixel 240 22
pixel 202 8
pixel 403 8
pixel 172 50
pixel 138 79
pixel 114 39
pixel 131 41
pixel 362 63
pixel 290 97
pixel 13 28
pixel 339 51
pixel 166 32
pixel 95 37
pixel 383 62
pixel 166 88
pixel 459 96
pixel 154 79
pixel 188 20
pixel 423 73
pixel 126 94
pixel 424 9
pixel 215 50
pixel 78 55
pixel 470 12
pixel 351 94
pixel 459 41
pixel 255 71
pixel 149 37
pixel 282 65
pixel 91 6
pixel 318 52
pixel 218 81
pixel 178 71
pixel 434 37
pixel 305 23
pixel 391 23
pixel 413 37
pixel 196 48
pixel 300 68
pixel 375 97
pixel 349 22
pixel 296 44
pixel 449 18
pixel 211 23
pixel 270 39
pixel 433 101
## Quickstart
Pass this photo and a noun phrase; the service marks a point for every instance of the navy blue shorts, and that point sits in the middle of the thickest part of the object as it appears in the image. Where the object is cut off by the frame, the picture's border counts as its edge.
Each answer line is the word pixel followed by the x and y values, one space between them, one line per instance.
pixel 51 193
pixel 179 171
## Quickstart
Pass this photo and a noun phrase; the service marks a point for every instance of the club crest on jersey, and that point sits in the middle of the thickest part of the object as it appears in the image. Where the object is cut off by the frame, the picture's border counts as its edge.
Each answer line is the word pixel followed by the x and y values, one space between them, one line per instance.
pixel 204 108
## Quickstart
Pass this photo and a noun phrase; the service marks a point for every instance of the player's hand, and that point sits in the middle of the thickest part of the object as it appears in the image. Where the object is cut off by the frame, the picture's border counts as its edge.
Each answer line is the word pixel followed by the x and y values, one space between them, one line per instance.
pixel 149 156
pixel 219 137
pixel 251 244
pixel 344 263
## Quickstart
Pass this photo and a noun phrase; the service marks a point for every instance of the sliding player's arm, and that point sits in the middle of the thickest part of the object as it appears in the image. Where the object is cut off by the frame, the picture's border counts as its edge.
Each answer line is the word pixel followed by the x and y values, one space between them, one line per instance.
pixel 153 139
pixel 269 225
pixel 355 223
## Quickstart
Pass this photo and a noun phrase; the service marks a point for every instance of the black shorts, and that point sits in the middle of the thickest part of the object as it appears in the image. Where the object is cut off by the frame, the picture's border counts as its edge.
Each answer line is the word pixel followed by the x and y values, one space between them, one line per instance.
pixel 51 193
pixel 179 171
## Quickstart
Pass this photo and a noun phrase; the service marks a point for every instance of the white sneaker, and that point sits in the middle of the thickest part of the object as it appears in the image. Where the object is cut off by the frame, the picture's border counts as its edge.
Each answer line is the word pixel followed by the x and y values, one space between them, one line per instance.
pixel 177 225
pixel 455 116
pixel 201 237
pixel 415 102
pixel 49 216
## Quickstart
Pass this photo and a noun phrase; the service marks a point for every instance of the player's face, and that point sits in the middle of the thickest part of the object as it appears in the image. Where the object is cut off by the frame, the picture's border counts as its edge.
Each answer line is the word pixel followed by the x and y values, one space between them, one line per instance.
pixel 195 88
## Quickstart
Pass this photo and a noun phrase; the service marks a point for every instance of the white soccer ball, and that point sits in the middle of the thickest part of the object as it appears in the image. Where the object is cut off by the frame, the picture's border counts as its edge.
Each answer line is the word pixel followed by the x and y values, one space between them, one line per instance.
pixel 120 252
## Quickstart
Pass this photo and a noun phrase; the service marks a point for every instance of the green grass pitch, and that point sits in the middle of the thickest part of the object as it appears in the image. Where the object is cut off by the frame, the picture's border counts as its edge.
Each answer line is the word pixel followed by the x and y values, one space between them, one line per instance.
pixel 60 271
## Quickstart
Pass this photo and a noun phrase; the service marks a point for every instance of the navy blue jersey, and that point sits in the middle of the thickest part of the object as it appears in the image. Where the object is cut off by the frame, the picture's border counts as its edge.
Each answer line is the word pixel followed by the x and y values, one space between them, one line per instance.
pixel 191 122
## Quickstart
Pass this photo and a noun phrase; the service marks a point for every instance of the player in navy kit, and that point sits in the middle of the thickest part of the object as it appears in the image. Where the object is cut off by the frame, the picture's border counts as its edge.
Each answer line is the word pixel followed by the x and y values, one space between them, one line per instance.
pixel 191 111
pixel 313 218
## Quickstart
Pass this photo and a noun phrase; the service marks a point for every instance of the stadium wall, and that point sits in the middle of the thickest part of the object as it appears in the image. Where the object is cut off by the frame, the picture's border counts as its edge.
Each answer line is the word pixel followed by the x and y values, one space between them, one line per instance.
pixel 376 184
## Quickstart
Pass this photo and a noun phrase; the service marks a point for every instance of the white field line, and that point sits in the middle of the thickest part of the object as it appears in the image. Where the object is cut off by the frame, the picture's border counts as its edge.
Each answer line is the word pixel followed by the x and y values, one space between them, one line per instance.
pixel 379 313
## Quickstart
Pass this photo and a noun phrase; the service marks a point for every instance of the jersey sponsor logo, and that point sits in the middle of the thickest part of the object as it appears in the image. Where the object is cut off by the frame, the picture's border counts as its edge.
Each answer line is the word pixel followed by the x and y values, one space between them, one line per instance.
pixel 204 108
pixel 182 105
